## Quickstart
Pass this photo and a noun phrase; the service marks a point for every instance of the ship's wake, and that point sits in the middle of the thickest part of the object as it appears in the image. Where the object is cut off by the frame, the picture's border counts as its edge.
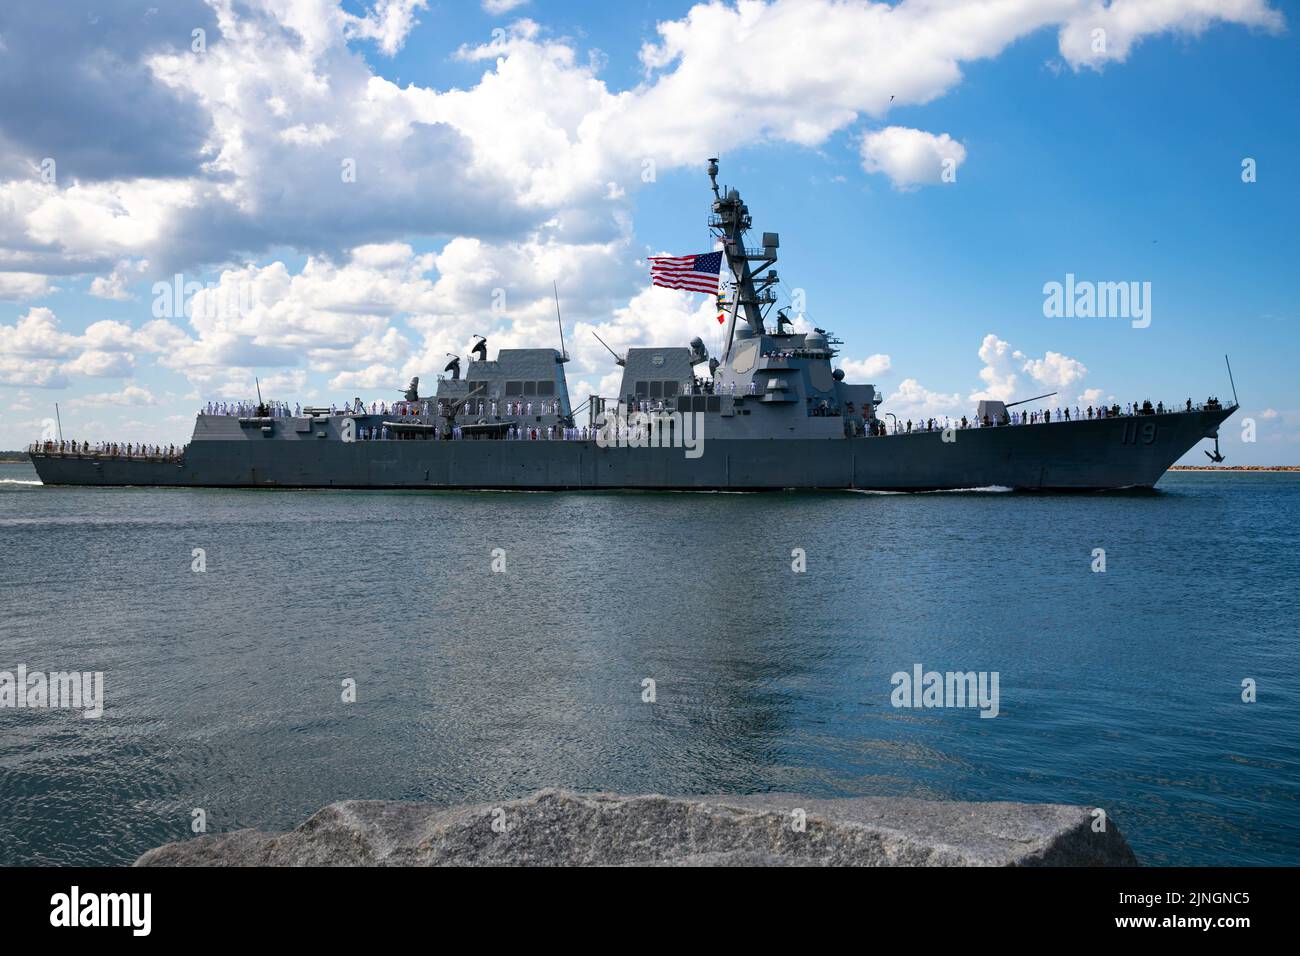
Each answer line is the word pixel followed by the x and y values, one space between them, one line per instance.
pixel 983 490
pixel 22 481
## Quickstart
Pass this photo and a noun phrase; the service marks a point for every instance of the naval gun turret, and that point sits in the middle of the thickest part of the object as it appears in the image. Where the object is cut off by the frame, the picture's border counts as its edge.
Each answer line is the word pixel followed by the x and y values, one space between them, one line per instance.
pixel 995 411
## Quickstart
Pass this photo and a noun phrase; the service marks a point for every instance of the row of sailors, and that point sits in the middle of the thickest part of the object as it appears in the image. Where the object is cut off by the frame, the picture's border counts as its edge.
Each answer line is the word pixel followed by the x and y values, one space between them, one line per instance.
pixel 112 449
pixel 1010 418
pixel 494 407
pixel 281 409
pixel 1043 417
pixel 513 433
pixel 705 386
pixel 250 409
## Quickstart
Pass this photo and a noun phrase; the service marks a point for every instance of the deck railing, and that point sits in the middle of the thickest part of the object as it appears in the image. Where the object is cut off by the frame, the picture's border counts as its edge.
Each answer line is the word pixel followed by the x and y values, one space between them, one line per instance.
pixel 106 450
pixel 1038 418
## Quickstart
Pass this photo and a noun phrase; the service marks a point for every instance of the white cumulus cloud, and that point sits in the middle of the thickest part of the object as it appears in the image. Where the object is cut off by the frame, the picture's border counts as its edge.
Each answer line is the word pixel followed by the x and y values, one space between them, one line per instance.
pixel 1056 370
pixel 914 401
pixel 868 369
pixel 130 395
pixel 1004 365
pixel 911 157
pixel 498 7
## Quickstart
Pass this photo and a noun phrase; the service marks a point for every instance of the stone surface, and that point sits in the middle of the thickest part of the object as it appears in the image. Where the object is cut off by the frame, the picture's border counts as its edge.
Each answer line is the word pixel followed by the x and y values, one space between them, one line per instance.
pixel 560 828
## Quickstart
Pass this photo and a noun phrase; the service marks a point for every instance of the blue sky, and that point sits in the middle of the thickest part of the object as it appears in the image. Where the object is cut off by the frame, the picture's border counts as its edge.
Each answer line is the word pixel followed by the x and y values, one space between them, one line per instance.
pixel 1119 164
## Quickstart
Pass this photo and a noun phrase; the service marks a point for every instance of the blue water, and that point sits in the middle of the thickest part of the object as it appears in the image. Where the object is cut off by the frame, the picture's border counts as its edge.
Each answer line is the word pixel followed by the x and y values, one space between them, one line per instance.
pixel 1120 690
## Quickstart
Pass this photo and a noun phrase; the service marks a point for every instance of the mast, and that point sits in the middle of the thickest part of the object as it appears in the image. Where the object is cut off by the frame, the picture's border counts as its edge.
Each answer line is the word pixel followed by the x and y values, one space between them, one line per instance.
pixel 564 354
pixel 753 289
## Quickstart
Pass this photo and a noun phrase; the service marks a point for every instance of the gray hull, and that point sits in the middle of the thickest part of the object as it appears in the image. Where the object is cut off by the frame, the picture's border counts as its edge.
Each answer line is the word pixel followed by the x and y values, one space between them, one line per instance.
pixel 1124 452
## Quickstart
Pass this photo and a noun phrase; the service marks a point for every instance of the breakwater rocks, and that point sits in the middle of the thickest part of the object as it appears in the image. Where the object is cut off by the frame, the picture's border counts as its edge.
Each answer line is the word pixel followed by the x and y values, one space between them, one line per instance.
pixel 561 828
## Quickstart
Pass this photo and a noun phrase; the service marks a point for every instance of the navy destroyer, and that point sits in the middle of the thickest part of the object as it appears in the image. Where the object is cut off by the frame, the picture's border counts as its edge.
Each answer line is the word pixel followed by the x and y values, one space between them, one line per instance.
pixel 771 412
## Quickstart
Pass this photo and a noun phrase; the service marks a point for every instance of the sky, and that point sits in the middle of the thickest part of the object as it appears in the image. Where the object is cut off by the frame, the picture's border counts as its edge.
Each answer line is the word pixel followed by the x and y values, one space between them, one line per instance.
pixel 345 193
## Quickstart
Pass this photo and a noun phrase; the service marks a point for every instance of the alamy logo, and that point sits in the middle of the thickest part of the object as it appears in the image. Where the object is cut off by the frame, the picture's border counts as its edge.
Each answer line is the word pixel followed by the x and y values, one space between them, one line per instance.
pixel 59 690
pixel 652 430
pixel 922 688
pixel 1101 300
pixel 231 298
pixel 103 909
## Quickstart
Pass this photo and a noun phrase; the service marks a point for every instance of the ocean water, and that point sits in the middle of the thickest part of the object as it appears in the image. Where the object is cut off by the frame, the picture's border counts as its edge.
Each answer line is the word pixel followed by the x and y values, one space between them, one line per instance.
pixel 223 688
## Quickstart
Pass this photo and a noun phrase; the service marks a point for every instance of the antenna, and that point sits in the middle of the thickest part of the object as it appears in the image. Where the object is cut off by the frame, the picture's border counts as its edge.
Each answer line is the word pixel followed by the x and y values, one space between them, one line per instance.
pixel 1231 382
pixel 607 348
pixel 58 420
pixel 560 321
pixel 258 385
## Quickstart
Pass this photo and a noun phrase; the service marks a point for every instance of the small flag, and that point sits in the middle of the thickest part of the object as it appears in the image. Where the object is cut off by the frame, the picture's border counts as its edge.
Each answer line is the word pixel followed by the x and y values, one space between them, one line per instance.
pixel 692 273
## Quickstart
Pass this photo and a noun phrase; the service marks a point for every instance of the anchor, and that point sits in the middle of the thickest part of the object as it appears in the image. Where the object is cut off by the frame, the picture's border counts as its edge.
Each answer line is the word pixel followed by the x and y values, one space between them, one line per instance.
pixel 1215 456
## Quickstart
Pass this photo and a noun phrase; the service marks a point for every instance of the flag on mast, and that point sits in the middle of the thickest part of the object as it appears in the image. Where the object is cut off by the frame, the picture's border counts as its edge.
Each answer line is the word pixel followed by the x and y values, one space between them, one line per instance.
pixel 698 273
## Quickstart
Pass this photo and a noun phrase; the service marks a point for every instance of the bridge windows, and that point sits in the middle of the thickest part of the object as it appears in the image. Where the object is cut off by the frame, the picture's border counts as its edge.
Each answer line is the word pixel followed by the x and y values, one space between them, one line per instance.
pixel 699 403
pixel 528 389
pixel 644 390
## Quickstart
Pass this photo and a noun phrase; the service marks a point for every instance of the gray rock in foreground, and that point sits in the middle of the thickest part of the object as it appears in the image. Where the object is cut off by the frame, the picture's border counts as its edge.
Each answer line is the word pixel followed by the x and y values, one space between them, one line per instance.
pixel 560 828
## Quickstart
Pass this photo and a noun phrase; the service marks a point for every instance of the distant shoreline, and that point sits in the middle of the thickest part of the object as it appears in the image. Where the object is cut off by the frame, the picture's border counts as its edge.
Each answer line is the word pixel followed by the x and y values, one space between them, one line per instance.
pixel 12 456
pixel 1234 467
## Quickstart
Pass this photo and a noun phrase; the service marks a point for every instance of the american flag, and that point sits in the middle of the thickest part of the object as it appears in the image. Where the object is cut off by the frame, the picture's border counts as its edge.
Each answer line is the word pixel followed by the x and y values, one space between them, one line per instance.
pixel 693 273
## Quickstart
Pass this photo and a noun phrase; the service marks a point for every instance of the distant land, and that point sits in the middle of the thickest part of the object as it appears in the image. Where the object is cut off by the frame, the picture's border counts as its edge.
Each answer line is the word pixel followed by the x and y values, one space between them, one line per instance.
pixel 1234 468
pixel 14 456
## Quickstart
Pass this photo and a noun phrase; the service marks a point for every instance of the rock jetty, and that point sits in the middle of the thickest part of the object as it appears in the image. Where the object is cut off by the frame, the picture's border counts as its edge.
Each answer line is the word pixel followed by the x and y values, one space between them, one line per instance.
pixel 561 828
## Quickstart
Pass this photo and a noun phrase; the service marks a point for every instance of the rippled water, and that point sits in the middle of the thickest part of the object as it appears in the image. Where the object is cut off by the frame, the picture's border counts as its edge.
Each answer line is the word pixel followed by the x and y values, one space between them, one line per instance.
pixel 1120 689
